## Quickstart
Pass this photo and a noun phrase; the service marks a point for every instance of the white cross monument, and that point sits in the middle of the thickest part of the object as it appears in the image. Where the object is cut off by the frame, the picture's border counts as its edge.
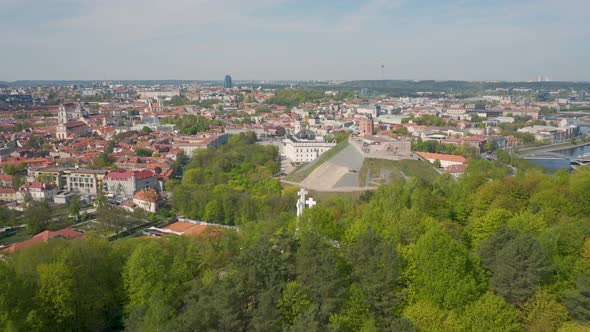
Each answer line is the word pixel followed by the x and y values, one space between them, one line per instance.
pixel 301 202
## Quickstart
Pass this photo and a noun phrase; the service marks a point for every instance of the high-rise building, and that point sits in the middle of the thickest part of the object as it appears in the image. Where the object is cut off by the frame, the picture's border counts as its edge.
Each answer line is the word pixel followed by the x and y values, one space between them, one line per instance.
pixel 227 82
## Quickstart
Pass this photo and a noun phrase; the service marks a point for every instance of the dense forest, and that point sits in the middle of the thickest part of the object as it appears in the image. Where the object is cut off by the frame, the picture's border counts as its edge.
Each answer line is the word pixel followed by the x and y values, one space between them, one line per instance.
pixel 484 253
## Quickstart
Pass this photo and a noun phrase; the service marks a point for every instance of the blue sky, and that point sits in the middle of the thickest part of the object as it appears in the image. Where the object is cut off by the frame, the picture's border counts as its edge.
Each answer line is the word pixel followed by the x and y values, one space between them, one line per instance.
pixel 294 39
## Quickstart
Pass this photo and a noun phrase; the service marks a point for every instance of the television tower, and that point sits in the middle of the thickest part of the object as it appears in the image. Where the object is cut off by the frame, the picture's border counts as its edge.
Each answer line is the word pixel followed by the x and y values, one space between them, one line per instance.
pixel 382 72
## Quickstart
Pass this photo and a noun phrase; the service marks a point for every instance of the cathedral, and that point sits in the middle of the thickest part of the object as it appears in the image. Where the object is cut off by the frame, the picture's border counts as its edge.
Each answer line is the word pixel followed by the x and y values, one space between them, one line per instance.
pixel 69 125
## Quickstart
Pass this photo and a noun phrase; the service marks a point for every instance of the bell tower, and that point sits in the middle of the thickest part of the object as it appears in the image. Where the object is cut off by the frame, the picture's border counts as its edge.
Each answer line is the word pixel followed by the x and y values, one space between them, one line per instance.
pixel 62 118
pixel 62 115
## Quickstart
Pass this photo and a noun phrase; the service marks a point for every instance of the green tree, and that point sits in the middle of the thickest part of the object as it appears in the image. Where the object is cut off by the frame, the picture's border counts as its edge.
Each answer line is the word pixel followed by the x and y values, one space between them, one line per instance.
pixel 280 131
pixel 215 307
pixel 490 313
pixel 37 217
pixel 153 267
pixel 443 272
pixel 544 312
pixel 56 292
pixel 16 299
pixel 354 312
pixel 483 227
pixel 143 152
pixel 293 302
pixel 518 267
pixel 574 327
pixel 7 217
pixel 318 220
pixel 436 163
pixel 319 272
pixel 75 207
pixel 103 160
pixel 426 316
pixel 376 268
pixel 578 300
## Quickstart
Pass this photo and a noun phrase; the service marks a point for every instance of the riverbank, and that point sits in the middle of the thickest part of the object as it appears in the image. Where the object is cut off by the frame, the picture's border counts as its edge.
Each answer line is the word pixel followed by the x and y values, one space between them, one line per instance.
pixel 550 148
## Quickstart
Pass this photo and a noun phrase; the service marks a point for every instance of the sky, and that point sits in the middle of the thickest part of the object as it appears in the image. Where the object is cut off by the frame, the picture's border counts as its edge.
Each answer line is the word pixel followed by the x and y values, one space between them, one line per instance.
pixel 514 40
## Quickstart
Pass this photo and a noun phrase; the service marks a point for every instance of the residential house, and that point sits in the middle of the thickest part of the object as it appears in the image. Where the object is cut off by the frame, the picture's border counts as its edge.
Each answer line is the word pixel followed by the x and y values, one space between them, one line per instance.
pixel 7 194
pixel 445 159
pixel 39 191
pixel 147 199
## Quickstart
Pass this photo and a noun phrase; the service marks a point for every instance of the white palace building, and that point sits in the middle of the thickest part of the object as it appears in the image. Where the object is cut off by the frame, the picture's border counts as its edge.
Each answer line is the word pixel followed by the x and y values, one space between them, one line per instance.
pixel 305 146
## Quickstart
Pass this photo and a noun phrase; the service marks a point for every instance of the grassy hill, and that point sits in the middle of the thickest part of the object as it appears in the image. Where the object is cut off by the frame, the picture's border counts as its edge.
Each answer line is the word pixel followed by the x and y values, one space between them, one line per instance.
pixel 303 171
pixel 376 171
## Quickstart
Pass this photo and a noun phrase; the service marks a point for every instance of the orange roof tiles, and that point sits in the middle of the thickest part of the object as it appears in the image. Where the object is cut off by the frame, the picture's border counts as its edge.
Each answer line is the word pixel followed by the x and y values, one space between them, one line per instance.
pixel 441 157
pixel 189 229
pixel 455 169
pixel 66 233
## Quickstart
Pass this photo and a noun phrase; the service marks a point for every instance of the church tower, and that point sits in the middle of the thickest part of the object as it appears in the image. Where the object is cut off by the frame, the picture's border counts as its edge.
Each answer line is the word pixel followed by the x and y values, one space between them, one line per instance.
pixel 62 115
pixel 298 127
pixel 62 119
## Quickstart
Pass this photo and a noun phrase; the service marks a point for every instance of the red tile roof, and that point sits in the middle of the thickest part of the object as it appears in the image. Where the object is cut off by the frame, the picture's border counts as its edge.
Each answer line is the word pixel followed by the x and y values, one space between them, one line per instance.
pixel 441 157
pixel 189 229
pixel 6 178
pixel 5 190
pixel 148 195
pixel 455 169
pixel 123 175
pixel 66 233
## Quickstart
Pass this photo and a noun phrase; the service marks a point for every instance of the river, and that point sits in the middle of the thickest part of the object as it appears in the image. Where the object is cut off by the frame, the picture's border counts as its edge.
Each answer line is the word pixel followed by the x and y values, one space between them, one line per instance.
pixel 563 163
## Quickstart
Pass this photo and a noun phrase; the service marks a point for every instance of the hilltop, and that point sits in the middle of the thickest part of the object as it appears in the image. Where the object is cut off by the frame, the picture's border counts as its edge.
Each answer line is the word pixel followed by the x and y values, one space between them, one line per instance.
pixel 347 168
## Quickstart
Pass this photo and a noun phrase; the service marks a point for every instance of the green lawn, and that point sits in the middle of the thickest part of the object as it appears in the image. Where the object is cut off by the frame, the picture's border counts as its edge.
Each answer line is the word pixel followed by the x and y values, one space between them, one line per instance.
pixel 302 172
pixel 397 169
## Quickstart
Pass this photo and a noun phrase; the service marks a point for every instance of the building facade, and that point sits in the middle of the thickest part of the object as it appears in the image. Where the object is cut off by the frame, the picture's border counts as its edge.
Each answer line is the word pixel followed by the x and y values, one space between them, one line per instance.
pixel 7 194
pixel 305 147
pixel 366 126
pixel 86 182
pixel 67 117
pixel 445 160
pixel 38 191
pixel 125 184
pixel 227 83
pixel 147 200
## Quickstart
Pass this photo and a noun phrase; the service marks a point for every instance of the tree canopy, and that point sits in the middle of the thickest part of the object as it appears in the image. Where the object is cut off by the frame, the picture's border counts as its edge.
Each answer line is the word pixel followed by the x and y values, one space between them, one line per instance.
pixel 486 252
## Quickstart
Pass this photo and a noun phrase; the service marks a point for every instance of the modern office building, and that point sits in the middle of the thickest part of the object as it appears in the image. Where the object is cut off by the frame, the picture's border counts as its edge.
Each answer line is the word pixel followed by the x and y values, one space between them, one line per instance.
pixel 227 82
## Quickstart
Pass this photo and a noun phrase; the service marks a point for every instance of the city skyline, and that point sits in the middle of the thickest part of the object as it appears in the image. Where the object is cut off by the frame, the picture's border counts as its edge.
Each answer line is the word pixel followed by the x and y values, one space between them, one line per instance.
pixel 294 40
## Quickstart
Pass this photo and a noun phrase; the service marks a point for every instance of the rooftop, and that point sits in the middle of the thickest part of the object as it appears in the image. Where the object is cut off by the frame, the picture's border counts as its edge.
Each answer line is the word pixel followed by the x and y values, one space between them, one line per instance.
pixel 66 233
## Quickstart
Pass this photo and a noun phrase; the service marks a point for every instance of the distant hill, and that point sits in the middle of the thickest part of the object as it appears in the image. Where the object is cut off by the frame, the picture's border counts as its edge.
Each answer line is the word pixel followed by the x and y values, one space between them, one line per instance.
pixel 406 87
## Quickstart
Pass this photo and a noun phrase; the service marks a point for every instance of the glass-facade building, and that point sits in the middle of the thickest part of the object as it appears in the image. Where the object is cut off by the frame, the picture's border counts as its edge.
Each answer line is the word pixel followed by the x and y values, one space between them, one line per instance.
pixel 227 82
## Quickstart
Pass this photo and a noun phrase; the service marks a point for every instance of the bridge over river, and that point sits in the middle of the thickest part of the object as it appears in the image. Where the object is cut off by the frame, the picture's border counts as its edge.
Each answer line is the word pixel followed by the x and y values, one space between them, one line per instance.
pixel 574 160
